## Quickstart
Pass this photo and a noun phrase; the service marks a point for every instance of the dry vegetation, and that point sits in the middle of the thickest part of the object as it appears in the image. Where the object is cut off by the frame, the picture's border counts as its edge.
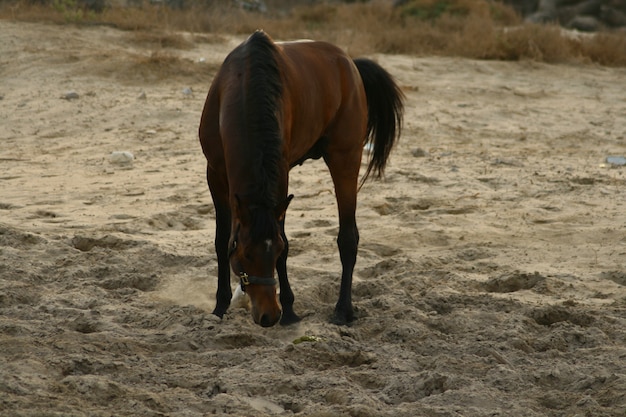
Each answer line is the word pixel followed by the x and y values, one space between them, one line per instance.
pixel 472 29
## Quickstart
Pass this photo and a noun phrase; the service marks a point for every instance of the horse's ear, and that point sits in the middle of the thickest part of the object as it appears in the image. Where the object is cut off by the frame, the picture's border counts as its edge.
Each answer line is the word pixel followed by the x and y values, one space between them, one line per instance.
pixel 281 208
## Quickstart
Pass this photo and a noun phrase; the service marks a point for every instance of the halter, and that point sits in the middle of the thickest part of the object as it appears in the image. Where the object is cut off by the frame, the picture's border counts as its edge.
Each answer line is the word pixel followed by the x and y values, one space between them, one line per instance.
pixel 244 278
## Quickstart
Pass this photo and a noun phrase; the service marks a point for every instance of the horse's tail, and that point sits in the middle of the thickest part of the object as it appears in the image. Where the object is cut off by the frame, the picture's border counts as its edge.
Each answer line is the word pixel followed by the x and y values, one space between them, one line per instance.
pixel 385 109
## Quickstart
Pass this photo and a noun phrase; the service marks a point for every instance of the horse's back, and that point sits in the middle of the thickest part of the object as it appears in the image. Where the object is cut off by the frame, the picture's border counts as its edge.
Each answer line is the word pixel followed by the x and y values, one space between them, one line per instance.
pixel 318 64
pixel 322 87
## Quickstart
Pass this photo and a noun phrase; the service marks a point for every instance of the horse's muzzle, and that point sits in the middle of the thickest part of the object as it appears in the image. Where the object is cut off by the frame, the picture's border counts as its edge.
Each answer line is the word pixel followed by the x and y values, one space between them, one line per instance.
pixel 266 319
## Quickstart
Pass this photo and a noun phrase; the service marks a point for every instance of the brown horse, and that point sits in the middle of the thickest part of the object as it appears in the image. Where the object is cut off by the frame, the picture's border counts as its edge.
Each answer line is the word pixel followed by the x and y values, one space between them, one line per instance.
pixel 270 107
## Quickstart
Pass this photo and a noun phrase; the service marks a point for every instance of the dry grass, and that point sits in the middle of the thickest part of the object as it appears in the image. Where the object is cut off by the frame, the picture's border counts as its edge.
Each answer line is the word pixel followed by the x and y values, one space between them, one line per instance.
pixel 477 29
pixel 160 40
pixel 135 69
pixel 163 65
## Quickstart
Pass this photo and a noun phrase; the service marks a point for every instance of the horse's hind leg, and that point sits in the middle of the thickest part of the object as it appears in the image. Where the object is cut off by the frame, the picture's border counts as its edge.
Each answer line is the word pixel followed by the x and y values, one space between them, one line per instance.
pixel 286 295
pixel 344 169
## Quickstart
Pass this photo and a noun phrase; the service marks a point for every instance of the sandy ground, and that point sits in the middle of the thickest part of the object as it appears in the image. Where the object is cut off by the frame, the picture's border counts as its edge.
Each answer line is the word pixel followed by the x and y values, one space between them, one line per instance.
pixel 491 278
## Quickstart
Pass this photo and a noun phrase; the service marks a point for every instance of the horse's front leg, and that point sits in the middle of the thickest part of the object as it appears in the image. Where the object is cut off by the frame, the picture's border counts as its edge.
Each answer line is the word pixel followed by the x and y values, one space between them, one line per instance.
pixel 286 295
pixel 222 236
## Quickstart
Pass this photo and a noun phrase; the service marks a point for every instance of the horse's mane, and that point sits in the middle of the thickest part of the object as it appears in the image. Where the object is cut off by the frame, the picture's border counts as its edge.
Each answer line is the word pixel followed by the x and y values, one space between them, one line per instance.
pixel 262 100
pixel 263 92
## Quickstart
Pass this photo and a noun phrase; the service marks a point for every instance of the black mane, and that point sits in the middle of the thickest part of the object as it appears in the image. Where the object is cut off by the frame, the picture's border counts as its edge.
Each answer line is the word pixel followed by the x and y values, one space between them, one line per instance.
pixel 262 100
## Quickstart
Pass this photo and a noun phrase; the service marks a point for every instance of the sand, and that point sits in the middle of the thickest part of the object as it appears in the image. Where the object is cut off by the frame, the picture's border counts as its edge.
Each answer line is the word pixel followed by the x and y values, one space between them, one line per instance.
pixel 491 278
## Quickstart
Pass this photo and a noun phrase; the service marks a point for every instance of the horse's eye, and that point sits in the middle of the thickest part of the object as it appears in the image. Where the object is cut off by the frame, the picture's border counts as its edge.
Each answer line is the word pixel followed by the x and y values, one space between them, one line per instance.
pixel 232 248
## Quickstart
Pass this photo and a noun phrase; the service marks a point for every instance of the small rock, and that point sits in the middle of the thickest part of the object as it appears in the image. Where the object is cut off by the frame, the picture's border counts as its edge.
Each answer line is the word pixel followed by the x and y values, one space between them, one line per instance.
pixel 187 91
pixel 70 95
pixel 541 17
pixel 419 153
pixel 616 160
pixel 142 95
pixel 121 158
pixel 584 24
pixel 205 209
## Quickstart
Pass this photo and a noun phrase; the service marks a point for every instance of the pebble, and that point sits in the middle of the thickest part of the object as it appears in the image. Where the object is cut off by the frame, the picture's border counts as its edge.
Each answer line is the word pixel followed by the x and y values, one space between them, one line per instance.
pixel 70 95
pixel 616 160
pixel 419 153
pixel 121 157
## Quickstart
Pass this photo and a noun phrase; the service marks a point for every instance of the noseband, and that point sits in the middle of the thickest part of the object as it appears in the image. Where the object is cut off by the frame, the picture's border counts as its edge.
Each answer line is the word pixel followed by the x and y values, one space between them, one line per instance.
pixel 244 278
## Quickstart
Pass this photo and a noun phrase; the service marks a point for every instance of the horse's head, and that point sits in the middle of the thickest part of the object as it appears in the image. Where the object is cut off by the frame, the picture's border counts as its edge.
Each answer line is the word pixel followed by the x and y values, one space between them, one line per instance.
pixel 255 245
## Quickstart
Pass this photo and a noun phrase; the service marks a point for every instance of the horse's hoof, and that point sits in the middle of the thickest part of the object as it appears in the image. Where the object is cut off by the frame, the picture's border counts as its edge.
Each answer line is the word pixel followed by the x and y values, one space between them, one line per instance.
pixel 342 319
pixel 219 314
pixel 288 319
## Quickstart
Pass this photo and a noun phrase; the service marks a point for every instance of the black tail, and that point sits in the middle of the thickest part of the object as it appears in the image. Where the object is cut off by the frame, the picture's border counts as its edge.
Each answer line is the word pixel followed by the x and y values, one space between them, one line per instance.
pixel 385 108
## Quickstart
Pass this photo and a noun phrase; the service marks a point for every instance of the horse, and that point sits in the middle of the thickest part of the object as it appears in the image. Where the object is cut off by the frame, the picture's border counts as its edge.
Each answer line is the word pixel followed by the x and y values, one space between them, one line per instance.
pixel 271 106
